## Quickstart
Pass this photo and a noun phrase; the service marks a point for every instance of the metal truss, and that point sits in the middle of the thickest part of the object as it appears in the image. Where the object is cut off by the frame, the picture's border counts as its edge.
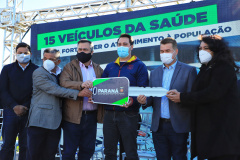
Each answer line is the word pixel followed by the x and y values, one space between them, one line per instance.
pixel 16 22
pixel 12 30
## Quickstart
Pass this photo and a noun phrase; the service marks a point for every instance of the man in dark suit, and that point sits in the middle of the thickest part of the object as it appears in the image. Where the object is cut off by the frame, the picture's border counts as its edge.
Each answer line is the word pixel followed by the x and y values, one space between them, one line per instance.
pixel 170 121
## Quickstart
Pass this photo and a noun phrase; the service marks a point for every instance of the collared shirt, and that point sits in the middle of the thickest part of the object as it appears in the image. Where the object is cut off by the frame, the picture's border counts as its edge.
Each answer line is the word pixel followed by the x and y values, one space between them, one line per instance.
pixel 166 81
pixel 57 74
pixel 22 67
pixel 58 71
pixel 88 74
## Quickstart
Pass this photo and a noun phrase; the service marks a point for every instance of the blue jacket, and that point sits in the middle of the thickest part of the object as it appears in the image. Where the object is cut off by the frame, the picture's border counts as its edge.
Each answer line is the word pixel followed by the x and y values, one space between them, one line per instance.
pixel 16 85
pixel 135 70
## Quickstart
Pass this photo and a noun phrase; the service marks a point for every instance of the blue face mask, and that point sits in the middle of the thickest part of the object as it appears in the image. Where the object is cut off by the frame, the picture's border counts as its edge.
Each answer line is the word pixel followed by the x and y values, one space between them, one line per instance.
pixel 122 52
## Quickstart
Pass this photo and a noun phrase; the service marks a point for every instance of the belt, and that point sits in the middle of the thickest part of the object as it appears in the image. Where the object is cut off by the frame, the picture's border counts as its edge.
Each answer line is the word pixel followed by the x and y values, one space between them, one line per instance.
pixel 165 120
pixel 89 112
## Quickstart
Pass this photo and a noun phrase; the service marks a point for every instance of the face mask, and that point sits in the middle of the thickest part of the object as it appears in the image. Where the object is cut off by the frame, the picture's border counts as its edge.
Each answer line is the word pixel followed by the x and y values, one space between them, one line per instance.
pixel 166 58
pixel 84 57
pixel 122 52
pixel 48 65
pixel 204 57
pixel 22 58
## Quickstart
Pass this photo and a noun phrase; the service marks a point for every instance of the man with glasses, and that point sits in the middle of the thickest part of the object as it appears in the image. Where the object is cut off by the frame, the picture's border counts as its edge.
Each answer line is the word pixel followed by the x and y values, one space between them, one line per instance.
pixel 16 92
pixel 80 117
pixel 45 113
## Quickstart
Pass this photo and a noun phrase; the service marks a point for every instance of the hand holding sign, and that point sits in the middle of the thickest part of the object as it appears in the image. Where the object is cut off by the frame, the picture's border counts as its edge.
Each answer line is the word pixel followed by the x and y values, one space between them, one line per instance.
pixel 85 93
pixel 126 105
pixel 87 84
pixel 90 100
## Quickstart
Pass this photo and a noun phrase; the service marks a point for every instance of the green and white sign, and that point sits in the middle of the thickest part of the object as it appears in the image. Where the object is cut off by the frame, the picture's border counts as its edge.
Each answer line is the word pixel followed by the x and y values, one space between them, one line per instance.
pixel 183 22
pixel 112 91
pixel 147 30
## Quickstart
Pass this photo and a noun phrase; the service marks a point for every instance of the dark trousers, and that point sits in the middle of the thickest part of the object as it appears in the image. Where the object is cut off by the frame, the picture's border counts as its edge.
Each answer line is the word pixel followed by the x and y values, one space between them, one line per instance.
pixel 13 125
pixel 226 157
pixel 121 148
pixel 122 124
pixel 168 143
pixel 82 136
pixel 42 143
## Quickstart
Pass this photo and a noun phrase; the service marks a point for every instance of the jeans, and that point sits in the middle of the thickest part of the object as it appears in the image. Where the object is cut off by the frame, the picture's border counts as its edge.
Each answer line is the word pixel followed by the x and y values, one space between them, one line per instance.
pixel 124 124
pixel 82 136
pixel 42 143
pixel 13 125
pixel 168 143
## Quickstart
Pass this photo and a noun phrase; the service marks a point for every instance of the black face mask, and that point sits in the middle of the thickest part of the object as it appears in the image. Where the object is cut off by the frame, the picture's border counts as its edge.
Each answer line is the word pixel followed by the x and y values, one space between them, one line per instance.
pixel 84 57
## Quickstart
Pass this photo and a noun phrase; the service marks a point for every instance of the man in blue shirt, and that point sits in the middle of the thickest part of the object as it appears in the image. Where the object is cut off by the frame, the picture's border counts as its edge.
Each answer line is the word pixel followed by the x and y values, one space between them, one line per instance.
pixel 171 121
pixel 118 120
pixel 16 92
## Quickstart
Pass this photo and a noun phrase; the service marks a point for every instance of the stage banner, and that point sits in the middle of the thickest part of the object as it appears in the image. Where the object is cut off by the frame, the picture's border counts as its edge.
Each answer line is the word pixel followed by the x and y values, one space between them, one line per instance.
pixel 183 22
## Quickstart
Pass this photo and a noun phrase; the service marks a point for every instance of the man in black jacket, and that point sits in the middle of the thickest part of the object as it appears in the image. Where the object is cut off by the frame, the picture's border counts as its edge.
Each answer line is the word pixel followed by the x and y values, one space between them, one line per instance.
pixel 16 92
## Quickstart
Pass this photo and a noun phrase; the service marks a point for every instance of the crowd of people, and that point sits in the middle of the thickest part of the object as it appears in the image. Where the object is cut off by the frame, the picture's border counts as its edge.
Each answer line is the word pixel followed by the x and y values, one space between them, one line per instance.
pixel 39 101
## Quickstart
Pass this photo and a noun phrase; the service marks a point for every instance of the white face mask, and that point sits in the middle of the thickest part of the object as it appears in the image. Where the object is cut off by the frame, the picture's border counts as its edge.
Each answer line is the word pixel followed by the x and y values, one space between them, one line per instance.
pixel 204 57
pixel 48 65
pixel 166 58
pixel 22 58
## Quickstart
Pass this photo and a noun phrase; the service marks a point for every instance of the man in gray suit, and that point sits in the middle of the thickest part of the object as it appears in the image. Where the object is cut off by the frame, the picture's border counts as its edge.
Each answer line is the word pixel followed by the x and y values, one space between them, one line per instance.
pixel 170 121
pixel 45 113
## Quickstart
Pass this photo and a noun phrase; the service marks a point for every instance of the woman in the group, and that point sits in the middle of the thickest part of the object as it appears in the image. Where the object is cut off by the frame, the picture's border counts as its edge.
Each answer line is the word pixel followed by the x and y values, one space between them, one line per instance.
pixel 214 100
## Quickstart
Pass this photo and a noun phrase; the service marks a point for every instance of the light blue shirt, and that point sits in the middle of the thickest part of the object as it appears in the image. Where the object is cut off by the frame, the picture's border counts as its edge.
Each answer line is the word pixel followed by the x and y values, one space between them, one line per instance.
pixel 22 67
pixel 166 81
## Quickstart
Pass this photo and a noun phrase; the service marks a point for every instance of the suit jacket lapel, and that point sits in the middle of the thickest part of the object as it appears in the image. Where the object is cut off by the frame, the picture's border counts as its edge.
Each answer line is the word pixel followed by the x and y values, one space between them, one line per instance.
pixel 77 66
pixel 160 76
pixel 96 70
pixel 176 71
pixel 52 77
